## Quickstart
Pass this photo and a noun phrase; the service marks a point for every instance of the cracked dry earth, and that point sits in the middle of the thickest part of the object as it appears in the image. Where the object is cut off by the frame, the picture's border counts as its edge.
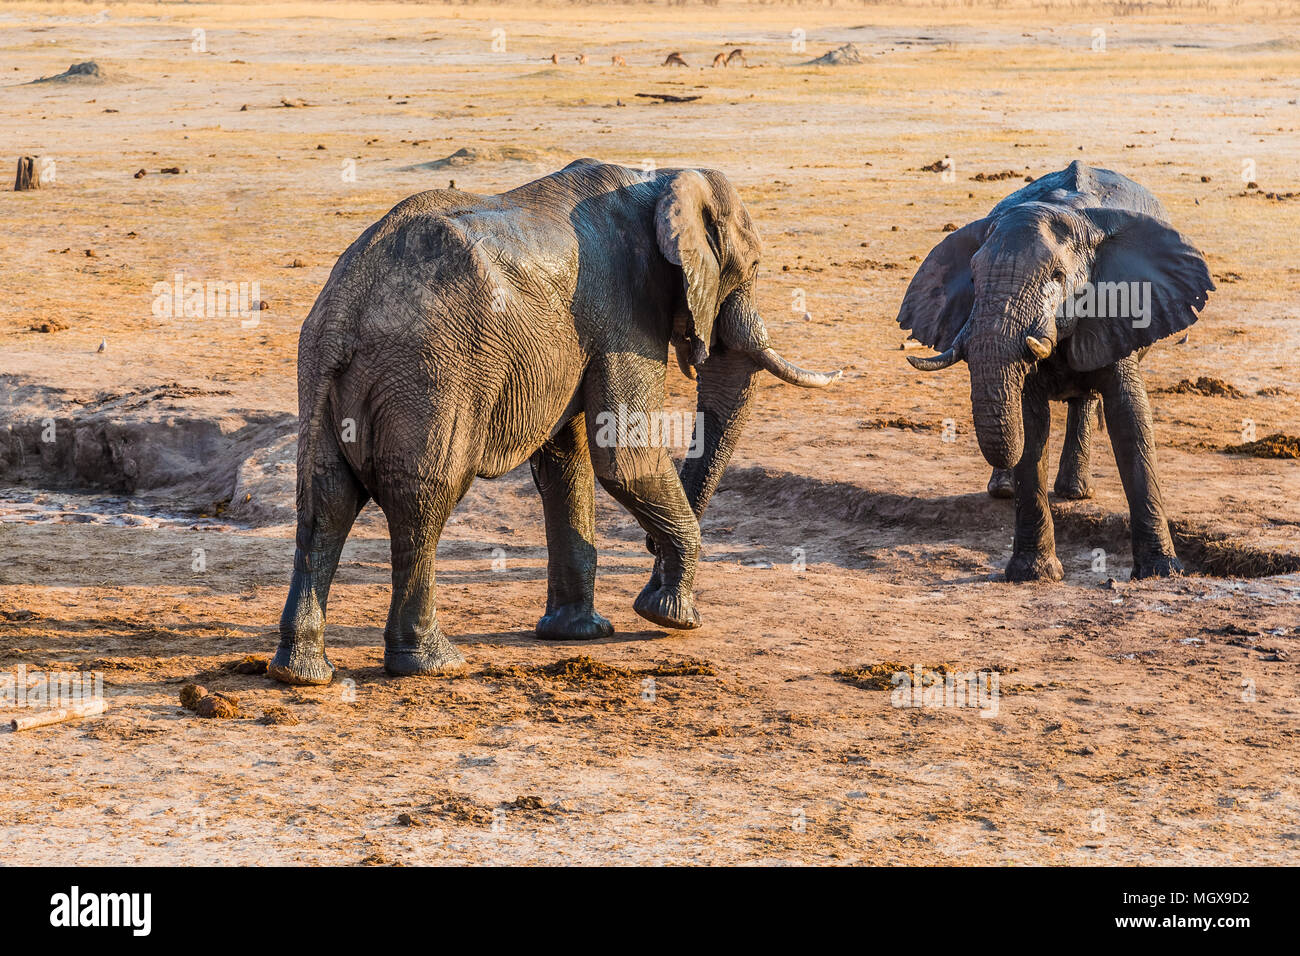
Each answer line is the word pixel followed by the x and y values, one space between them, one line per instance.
pixel 1148 722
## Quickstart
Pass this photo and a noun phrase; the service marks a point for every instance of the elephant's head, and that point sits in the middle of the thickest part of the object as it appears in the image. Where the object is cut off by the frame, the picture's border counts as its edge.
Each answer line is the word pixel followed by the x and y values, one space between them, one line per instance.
pixel 1088 286
pixel 702 228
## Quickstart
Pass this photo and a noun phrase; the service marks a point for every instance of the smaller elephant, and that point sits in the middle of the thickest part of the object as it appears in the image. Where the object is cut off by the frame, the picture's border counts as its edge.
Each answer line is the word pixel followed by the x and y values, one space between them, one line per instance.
pixel 1057 294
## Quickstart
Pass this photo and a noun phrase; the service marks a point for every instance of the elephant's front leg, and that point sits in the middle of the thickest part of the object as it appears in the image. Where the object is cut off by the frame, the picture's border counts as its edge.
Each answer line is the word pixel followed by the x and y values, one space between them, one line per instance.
pixel 563 475
pixel 1033 556
pixel 659 505
pixel 1132 438
pixel 634 467
pixel 1072 474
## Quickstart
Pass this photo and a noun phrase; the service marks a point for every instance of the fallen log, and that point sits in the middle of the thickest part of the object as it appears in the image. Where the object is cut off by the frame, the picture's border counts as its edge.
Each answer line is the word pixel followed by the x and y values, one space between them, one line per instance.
pixel 668 97
pixel 46 717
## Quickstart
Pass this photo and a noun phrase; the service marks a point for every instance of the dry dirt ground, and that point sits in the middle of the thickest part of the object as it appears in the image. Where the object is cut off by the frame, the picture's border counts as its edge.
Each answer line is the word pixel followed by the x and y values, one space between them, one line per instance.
pixel 1153 722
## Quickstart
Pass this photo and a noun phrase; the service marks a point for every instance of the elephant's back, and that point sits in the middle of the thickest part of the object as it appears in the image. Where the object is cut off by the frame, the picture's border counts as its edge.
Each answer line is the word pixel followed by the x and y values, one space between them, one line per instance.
pixel 1079 186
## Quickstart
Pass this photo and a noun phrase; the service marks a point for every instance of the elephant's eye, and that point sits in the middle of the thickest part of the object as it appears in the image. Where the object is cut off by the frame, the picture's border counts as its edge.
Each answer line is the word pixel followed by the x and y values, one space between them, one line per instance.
pixel 1058 277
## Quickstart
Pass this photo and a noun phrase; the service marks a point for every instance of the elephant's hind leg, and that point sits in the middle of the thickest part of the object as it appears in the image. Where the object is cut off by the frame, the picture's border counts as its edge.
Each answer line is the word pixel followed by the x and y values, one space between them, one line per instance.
pixel 1072 474
pixel 563 475
pixel 337 499
pixel 416 512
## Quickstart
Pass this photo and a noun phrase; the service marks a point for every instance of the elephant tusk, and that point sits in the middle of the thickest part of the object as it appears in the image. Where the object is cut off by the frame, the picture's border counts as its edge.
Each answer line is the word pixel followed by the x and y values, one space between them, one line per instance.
pixel 1040 349
pixel 955 353
pixel 932 363
pixel 771 360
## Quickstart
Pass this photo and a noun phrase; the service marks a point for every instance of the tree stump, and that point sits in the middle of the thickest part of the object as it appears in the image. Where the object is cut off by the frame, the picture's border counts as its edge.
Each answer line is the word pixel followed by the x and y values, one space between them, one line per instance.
pixel 29 174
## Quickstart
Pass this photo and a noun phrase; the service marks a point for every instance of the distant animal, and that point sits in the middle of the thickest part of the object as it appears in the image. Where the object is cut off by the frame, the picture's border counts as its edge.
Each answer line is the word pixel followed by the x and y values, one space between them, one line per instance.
pixel 720 60
pixel 1057 294
pixel 555 58
pixel 674 59
pixel 461 336
pixel 617 60
pixel 737 54
pixel 582 59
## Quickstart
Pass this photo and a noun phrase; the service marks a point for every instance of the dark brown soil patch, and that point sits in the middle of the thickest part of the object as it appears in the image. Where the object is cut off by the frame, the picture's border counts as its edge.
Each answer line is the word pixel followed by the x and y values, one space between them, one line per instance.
pixel 1214 387
pixel 1271 446
pixel 584 669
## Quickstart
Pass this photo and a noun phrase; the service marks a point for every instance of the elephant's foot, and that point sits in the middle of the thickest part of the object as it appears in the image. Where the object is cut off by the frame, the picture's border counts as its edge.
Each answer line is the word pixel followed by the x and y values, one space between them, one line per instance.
pixel 433 654
pixel 1002 483
pixel 1072 487
pixel 1156 566
pixel 301 663
pixel 667 607
pixel 1034 567
pixel 573 622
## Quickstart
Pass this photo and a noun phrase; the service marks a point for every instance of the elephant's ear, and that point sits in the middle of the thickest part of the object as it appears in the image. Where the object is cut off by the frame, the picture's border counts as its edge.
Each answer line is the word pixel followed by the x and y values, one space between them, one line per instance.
pixel 1142 262
pixel 688 238
pixel 939 299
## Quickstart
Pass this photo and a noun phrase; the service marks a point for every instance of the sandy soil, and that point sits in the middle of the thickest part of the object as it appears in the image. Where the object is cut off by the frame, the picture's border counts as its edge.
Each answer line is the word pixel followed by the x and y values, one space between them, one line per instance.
pixel 1139 723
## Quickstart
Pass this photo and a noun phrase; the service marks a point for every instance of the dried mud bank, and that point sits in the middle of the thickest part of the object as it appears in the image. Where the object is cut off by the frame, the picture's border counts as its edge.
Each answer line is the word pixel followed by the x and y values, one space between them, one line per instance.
pixel 1203 549
pixel 143 443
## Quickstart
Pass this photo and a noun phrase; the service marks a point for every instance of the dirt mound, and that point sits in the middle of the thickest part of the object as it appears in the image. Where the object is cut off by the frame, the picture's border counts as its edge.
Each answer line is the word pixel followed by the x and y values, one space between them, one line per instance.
pixel 469 155
pixel 847 55
pixel 1215 387
pixel 1271 446
pixel 87 73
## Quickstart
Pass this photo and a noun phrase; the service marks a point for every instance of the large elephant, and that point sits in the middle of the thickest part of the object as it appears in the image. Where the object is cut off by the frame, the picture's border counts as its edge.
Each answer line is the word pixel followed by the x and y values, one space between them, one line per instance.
pixel 1057 294
pixel 462 335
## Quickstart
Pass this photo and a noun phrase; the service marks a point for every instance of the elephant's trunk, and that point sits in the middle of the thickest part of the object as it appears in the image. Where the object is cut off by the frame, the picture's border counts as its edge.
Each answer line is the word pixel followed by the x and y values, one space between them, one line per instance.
pixel 728 381
pixel 997 378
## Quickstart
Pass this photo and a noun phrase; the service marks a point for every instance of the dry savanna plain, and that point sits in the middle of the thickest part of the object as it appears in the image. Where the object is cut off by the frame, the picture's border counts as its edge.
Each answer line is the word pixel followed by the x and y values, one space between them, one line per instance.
pixel 146 455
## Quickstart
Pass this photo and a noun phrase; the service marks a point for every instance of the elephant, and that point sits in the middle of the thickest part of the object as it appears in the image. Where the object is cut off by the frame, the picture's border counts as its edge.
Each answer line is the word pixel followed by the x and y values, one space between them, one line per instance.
pixel 462 335
pixel 1057 294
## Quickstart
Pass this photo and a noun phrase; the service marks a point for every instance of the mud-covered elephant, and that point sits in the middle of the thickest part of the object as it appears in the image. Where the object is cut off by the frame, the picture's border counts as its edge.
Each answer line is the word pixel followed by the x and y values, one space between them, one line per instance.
pixel 462 335
pixel 1057 294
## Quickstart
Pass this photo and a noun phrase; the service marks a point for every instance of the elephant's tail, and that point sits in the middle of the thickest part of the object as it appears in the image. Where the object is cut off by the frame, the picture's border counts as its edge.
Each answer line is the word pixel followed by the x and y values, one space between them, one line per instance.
pixel 323 355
